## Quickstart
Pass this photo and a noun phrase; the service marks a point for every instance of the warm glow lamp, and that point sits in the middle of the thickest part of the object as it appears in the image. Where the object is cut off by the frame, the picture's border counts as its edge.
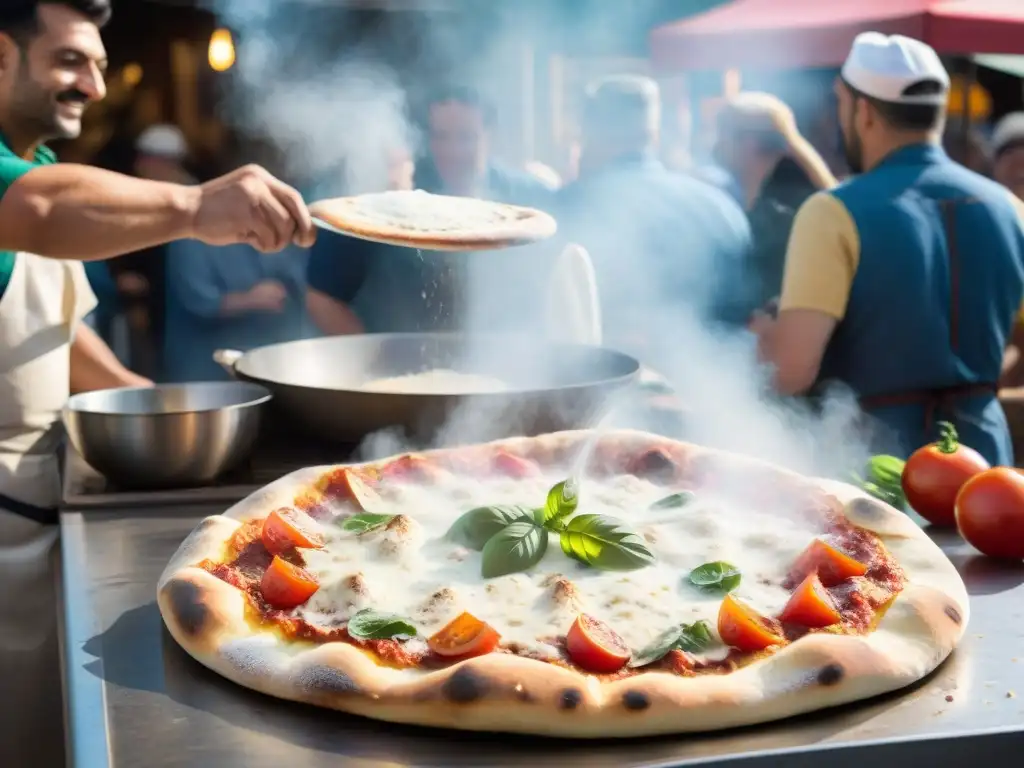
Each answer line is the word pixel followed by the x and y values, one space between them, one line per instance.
pixel 222 50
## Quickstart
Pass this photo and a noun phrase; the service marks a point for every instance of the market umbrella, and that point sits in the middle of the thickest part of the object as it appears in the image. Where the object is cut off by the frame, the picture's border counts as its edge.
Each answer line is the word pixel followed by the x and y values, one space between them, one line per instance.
pixel 791 34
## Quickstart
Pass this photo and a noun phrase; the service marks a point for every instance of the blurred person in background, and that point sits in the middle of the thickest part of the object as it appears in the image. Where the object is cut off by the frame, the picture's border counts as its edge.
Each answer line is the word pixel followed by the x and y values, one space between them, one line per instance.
pixel 52 216
pixel 356 286
pixel 459 124
pixel 902 284
pixel 1007 152
pixel 967 147
pixel 160 153
pixel 757 141
pixel 229 297
pixel 661 242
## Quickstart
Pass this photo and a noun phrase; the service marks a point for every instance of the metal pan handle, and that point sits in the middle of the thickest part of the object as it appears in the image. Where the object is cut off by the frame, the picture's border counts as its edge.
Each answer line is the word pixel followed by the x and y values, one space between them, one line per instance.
pixel 227 358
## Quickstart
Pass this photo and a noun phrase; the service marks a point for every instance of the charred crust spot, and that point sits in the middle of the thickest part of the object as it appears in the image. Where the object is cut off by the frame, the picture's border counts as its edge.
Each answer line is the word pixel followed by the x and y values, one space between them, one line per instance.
pixel 831 674
pixel 465 686
pixel 635 701
pixel 570 698
pixel 320 678
pixel 954 614
pixel 356 584
pixel 654 463
pixel 187 604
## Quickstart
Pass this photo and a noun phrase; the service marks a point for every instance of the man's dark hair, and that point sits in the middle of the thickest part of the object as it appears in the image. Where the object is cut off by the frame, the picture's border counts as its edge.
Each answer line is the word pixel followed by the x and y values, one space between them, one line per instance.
pixel 464 94
pixel 908 117
pixel 20 18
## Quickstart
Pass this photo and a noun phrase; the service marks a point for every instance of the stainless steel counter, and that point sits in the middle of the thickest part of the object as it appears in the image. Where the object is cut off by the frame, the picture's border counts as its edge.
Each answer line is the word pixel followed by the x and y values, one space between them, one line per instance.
pixel 135 699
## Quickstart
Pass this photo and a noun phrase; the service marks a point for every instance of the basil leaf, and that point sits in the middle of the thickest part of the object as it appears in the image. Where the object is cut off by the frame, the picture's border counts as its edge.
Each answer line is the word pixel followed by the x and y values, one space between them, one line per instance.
pixel 475 528
pixel 370 625
pixel 686 637
pixel 365 522
pixel 716 577
pixel 675 501
pixel 657 649
pixel 515 548
pixel 695 637
pixel 604 543
pixel 562 500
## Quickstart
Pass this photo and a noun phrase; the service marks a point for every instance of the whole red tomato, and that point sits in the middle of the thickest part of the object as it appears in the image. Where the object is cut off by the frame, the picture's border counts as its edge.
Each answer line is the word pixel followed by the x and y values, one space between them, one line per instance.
pixel 935 473
pixel 990 513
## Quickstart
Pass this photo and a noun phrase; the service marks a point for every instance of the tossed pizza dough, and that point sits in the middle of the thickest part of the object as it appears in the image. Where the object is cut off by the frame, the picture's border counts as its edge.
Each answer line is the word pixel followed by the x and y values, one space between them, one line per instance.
pixel 419 219
pixel 410 567
pixel 442 381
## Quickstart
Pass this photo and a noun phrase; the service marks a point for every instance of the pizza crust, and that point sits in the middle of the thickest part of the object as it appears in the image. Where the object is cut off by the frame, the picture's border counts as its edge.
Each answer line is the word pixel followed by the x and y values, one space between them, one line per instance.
pixel 515 225
pixel 503 692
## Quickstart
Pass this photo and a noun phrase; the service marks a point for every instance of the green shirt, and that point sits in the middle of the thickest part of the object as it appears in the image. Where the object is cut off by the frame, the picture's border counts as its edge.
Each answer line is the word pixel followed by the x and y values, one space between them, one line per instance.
pixel 13 168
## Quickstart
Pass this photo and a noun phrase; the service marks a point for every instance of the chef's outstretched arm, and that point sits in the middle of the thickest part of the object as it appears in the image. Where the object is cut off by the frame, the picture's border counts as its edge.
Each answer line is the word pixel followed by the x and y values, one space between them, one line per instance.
pixel 69 211
pixel 821 261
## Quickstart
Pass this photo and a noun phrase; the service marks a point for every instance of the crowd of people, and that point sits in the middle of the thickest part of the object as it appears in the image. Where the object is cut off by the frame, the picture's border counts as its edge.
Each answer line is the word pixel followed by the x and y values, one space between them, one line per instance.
pixel 903 282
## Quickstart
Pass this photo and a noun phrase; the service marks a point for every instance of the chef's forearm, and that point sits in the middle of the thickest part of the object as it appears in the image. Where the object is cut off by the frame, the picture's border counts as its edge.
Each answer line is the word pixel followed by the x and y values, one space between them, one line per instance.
pixel 95 366
pixel 69 211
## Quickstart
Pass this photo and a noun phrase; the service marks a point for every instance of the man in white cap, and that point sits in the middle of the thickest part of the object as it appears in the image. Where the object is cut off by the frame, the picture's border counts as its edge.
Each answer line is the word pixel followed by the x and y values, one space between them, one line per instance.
pixel 903 282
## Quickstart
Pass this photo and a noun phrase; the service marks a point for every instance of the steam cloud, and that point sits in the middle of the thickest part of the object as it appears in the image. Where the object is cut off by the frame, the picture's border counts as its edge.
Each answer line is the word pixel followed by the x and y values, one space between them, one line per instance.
pixel 340 115
pixel 335 114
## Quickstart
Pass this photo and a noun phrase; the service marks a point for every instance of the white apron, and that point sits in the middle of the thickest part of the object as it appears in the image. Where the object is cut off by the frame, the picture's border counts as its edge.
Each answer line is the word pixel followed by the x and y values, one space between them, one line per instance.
pixel 39 310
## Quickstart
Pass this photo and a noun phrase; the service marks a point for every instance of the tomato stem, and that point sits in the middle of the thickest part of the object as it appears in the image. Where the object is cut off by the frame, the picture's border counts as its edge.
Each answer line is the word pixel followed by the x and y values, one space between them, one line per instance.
pixel 948 441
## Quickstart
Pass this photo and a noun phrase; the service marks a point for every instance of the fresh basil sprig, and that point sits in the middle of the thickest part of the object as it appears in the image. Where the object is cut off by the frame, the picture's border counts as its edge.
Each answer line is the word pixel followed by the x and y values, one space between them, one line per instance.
pixel 475 528
pixel 605 543
pixel 515 548
pixel 368 624
pixel 514 538
pixel 686 637
pixel 719 577
pixel 365 522
pixel 675 500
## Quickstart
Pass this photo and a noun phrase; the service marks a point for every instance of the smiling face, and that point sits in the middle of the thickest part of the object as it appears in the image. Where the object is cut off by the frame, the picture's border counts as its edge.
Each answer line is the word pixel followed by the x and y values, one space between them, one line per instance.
pixel 48 79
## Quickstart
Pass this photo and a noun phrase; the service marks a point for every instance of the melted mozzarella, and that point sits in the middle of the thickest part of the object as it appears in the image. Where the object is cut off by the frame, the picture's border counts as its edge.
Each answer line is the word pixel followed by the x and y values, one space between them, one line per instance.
pixel 421 211
pixel 437 381
pixel 410 568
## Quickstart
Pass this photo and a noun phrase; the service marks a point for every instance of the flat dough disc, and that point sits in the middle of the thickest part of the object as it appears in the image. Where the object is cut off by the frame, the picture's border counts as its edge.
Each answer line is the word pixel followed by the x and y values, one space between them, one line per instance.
pixel 417 219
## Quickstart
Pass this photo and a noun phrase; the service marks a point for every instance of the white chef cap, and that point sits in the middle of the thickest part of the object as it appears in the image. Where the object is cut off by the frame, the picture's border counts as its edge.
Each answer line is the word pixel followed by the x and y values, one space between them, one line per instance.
pixel 885 67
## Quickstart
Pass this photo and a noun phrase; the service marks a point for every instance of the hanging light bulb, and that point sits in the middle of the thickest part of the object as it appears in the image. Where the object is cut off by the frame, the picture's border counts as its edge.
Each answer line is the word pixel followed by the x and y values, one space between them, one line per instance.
pixel 222 50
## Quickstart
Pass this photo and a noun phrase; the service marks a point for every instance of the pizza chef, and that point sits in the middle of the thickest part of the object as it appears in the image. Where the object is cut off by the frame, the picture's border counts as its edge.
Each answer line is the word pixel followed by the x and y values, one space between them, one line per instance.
pixel 52 64
pixel 903 282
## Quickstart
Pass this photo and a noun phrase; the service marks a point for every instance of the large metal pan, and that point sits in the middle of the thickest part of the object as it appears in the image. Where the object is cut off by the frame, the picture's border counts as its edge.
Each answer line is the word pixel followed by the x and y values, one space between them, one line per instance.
pixel 551 386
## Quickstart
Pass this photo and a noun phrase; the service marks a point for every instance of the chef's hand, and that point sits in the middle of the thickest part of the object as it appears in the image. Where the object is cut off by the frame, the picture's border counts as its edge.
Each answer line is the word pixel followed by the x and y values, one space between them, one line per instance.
pixel 251 206
pixel 267 296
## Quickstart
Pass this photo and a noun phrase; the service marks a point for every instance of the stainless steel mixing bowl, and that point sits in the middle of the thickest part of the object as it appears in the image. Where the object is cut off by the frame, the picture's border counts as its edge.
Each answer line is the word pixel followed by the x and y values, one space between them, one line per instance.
pixel 167 436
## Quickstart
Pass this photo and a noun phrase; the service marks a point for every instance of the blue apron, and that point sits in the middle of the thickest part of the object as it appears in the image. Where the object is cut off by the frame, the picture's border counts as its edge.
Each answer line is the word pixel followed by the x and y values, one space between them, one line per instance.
pixel 939 283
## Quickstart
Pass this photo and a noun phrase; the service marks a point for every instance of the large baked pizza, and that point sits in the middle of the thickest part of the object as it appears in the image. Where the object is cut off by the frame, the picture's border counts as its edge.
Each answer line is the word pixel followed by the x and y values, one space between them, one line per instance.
pixel 577 584
pixel 419 219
